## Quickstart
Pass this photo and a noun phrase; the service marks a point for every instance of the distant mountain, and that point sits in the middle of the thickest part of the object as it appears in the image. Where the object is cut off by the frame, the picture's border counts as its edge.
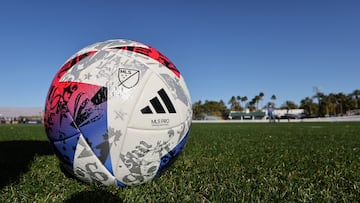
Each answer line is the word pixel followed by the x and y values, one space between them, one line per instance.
pixel 11 112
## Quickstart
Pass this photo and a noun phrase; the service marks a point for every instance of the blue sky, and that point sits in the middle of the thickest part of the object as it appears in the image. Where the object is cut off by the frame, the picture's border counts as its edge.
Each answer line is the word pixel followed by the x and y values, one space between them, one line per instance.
pixel 222 48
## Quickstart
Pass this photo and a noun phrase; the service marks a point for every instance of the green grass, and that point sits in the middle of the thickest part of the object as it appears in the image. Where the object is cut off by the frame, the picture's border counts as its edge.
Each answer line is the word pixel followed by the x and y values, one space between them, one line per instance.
pixel 245 162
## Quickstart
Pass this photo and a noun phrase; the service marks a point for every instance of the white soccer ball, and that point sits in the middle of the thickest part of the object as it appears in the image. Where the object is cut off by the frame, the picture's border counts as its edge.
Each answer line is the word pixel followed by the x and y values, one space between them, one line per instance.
pixel 118 113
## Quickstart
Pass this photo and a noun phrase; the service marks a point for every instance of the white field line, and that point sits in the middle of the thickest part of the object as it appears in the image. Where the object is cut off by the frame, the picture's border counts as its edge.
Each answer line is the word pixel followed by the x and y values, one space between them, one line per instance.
pixel 329 119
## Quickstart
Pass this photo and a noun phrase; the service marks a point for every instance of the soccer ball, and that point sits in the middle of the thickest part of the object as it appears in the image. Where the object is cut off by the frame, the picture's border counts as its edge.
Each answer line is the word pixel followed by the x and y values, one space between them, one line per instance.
pixel 117 112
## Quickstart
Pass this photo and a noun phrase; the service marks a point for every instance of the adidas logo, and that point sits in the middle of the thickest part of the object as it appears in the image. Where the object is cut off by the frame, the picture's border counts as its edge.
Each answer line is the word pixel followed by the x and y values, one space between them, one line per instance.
pixel 157 106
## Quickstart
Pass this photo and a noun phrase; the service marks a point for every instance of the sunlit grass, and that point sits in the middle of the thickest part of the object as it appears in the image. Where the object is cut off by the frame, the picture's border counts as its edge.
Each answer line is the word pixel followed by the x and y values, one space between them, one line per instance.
pixel 290 162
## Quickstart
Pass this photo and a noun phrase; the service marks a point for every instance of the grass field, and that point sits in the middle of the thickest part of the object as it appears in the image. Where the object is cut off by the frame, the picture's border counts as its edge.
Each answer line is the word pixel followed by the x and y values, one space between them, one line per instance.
pixel 252 162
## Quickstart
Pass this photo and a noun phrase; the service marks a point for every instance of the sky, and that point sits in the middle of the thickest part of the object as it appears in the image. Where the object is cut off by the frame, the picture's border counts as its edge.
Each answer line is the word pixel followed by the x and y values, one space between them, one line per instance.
pixel 222 48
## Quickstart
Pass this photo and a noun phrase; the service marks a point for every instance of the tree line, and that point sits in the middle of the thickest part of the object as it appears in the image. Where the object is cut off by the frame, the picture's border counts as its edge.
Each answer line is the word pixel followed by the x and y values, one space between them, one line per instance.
pixel 319 105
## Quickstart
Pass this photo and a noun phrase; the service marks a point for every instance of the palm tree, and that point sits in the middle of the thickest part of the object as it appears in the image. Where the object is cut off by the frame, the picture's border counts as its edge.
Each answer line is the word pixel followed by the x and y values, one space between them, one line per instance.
pixel 244 99
pixel 232 103
pixel 251 104
pixel 261 95
pixel 325 105
pixel 308 105
pixel 257 98
pixel 333 101
pixel 238 101
pixel 289 105
pixel 319 95
pixel 273 98
pixel 356 94
pixel 341 98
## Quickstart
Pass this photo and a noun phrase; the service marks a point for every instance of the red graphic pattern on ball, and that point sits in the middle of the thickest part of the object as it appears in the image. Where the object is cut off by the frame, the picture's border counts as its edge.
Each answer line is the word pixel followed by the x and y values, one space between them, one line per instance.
pixel 74 108
pixel 70 64
pixel 58 108
pixel 154 54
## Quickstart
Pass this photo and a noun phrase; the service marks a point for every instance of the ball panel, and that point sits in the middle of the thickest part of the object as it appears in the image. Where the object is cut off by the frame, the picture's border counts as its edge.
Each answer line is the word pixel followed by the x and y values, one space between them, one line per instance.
pixel 140 157
pixel 87 166
pixel 65 150
pixel 70 63
pixel 108 68
pixel 72 105
pixel 155 108
pixel 168 159
pixel 121 103
pixel 177 87
pixel 154 54
pixel 96 134
pixel 58 119
pixel 108 45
